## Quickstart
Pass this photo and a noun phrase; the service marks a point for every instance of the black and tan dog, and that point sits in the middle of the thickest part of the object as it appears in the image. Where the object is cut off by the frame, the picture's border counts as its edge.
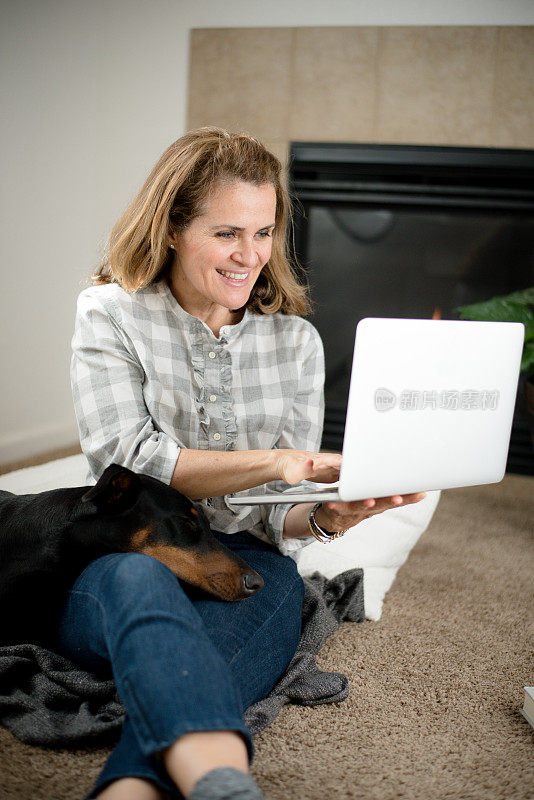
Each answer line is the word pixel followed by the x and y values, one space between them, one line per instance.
pixel 47 539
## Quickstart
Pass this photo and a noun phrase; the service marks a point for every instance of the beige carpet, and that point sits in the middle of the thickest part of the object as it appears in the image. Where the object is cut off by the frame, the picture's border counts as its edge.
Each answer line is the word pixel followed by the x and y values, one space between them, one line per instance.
pixel 436 685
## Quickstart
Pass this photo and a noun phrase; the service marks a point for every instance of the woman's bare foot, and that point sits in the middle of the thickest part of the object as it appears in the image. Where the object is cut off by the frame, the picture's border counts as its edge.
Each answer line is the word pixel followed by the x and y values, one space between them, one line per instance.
pixel 131 789
pixel 195 754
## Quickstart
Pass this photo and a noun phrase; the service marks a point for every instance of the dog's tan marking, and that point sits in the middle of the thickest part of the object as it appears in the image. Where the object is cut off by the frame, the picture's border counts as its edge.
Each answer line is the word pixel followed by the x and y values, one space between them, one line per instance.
pixel 139 537
pixel 214 573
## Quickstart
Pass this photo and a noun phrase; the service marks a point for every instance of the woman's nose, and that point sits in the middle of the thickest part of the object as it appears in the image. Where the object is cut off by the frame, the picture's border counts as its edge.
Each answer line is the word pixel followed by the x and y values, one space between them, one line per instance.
pixel 245 254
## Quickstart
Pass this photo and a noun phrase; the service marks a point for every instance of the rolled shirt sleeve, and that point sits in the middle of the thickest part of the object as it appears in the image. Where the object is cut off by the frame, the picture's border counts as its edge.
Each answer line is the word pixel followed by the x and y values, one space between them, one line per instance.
pixel 107 379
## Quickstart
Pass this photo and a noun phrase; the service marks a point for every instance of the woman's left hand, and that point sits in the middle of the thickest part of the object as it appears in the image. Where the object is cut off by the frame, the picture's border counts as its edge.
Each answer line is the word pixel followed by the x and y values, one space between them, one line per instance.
pixel 333 517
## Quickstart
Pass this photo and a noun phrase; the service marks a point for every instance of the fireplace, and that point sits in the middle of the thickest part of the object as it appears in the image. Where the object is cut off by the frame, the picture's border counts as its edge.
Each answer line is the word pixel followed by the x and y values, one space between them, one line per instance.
pixel 408 231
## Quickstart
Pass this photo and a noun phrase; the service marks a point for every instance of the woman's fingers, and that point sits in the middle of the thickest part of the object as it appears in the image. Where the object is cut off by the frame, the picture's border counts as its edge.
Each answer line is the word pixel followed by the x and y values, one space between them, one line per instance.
pixel 346 515
pixel 377 505
pixel 297 469
pixel 395 500
pixel 298 465
pixel 326 468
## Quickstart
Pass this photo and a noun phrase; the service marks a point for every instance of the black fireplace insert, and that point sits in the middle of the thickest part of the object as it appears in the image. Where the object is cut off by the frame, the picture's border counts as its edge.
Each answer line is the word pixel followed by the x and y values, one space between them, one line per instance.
pixel 408 231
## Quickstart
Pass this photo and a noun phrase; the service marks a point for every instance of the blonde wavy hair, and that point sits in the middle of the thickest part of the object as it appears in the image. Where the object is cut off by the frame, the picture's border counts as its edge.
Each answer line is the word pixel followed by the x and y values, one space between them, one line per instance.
pixel 173 195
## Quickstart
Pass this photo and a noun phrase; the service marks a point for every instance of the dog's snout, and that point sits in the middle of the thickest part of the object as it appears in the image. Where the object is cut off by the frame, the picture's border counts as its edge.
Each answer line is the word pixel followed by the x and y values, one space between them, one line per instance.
pixel 252 582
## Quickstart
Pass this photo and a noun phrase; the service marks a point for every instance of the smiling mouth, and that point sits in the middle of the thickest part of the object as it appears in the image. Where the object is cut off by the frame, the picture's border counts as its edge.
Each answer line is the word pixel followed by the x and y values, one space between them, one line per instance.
pixel 236 277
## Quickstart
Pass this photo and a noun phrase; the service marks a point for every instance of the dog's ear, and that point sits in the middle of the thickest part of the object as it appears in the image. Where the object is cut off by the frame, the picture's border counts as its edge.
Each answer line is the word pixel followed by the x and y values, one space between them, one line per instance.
pixel 117 490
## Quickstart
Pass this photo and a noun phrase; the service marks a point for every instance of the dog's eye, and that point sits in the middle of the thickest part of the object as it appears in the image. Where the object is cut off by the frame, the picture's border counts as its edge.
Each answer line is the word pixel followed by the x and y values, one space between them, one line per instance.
pixel 193 511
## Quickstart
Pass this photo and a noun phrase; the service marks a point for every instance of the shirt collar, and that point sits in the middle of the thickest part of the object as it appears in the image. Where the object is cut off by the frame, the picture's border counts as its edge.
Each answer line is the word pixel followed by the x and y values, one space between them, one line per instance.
pixel 226 331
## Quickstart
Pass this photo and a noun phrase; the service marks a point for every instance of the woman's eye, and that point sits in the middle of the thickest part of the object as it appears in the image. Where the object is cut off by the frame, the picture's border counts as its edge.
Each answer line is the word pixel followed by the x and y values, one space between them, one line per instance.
pixel 231 234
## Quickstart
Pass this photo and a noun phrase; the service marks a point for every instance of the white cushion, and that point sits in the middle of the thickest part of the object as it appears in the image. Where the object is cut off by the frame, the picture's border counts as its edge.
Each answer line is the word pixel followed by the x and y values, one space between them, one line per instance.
pixel 380 545
pixel 60 474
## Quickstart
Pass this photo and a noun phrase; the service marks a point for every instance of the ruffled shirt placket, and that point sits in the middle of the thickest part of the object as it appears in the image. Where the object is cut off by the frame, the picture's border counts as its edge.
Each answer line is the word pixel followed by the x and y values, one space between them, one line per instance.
pixel 212 372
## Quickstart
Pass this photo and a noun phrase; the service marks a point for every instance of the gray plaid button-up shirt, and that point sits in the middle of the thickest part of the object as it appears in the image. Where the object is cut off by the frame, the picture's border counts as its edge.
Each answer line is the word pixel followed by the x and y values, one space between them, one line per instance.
pixel 148 379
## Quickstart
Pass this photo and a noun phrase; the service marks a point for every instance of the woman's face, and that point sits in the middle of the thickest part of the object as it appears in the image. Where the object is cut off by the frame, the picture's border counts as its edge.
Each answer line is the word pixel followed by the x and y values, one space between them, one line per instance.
pixel 221 253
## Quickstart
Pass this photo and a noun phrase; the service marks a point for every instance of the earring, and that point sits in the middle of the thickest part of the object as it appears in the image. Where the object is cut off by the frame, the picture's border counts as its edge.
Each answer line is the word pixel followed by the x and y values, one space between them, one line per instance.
pixel 171 246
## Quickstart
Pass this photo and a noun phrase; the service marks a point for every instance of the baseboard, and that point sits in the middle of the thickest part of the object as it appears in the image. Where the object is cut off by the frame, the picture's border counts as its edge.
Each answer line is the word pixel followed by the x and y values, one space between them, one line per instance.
pixel 37 447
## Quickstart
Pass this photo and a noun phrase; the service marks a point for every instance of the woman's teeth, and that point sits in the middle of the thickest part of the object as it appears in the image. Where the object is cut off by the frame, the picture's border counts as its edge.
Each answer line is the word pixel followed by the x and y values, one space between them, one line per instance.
pixel 235 276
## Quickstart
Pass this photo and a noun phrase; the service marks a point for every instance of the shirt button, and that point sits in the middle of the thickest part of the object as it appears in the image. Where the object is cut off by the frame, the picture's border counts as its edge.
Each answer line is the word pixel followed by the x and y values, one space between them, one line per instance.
pixel 213 398
pixel 212 354
pixel 216 436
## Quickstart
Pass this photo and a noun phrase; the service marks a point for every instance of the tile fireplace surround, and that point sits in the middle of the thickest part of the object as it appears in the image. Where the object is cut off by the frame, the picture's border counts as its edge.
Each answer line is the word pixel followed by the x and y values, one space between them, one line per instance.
pixel 462 85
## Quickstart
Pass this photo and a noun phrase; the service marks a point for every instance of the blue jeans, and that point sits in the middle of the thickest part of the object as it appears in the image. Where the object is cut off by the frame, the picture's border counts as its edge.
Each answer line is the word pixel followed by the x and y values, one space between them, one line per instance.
pixel 181 660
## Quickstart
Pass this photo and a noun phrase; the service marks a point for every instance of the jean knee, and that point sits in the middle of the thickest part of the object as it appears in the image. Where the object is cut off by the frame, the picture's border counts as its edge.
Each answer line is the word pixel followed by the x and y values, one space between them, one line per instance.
pixel 131 573
pixel 114 586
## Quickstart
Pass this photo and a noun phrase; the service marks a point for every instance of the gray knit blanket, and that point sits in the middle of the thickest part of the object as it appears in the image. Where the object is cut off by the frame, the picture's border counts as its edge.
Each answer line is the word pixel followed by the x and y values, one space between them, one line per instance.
pixel 47 700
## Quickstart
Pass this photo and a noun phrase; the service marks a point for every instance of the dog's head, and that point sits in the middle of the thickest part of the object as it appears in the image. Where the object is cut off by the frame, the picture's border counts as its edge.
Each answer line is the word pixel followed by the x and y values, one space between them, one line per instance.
pixel 137 513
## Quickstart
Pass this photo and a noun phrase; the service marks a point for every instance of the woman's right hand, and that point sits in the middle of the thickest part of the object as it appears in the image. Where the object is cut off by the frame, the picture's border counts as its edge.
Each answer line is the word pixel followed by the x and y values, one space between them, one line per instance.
pixel 294 466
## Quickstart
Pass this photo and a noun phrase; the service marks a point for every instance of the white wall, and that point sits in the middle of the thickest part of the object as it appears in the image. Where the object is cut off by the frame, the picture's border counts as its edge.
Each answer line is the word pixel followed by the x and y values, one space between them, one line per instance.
pixel 92 94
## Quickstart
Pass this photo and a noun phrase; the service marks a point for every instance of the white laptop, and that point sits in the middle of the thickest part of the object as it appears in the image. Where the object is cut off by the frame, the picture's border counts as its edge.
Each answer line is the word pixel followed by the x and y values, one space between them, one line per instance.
pixel 430 406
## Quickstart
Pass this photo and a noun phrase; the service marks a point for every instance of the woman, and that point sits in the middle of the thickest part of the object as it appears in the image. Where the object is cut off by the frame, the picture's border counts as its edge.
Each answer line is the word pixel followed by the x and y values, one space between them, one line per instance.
pixel 192 363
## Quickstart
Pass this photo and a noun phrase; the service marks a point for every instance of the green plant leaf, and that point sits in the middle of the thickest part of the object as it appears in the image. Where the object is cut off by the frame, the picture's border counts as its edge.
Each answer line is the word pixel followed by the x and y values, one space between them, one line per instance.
pixel 527 361
pixel 529 331
pixel 523 297
pixel 515 307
